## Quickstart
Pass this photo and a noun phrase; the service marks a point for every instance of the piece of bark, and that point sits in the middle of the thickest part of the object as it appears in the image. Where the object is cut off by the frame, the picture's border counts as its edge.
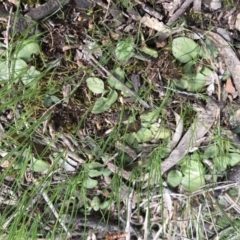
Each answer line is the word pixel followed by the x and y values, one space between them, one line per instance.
pixel 22 23
pixel 46 9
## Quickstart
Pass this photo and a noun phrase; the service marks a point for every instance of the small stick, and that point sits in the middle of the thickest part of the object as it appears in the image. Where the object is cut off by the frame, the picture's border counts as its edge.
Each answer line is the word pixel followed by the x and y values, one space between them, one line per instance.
pixel 179 12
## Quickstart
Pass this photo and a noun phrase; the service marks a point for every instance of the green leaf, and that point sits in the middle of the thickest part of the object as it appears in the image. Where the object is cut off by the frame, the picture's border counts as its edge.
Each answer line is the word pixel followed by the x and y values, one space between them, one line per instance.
pixel 125 50
pixel 112 97
pixel 120 75
pixel 195 83
pixel 211 151
pixel 220 163
pixel 143 135
pixel 148 51
pixel 174 178
pixel 162 133
pixel 47 102
pixel 185 49
pixel 106 172
pixel 19 162
pixel 94 165
pixel 90 183
pixel 105 204
pixel 129 138
pixel 38 165
pixel 180 84
pixel 55 99
pixel 188 68
pixel 206 71
pixel 3 71
pixel 96 85
pixel 95 203
pixel 18 69
pixel 150 116
pixel 211 50
pixel 234 159
pixel 94 173
pixel 28 48
pixel 30 75
pixel 101 105
pixel 193 176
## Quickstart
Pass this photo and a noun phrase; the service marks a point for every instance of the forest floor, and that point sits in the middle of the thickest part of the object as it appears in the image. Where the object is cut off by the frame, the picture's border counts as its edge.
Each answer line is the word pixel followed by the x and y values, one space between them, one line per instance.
pixel 120 119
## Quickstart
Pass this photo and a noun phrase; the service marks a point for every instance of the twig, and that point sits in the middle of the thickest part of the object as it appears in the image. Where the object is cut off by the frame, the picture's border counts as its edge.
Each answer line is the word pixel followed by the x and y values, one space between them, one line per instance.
pixel 129 207
pixel 150 10
pixel 50 205
pixel 179 12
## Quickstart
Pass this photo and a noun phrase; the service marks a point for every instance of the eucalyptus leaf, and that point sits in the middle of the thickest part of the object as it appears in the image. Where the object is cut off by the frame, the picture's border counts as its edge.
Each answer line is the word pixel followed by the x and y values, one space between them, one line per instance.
pixel 96 85
pixel 174 178
pixel 124 50
pixel 90 183
pixel 185 49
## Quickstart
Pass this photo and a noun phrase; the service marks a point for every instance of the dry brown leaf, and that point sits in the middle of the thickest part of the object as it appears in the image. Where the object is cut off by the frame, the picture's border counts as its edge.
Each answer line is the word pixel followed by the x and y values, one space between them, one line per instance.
pixel 229 86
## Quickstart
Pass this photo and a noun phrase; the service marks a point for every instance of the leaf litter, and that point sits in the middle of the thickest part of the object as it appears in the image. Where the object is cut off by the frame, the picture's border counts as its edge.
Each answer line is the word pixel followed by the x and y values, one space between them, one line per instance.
pixel 87 131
